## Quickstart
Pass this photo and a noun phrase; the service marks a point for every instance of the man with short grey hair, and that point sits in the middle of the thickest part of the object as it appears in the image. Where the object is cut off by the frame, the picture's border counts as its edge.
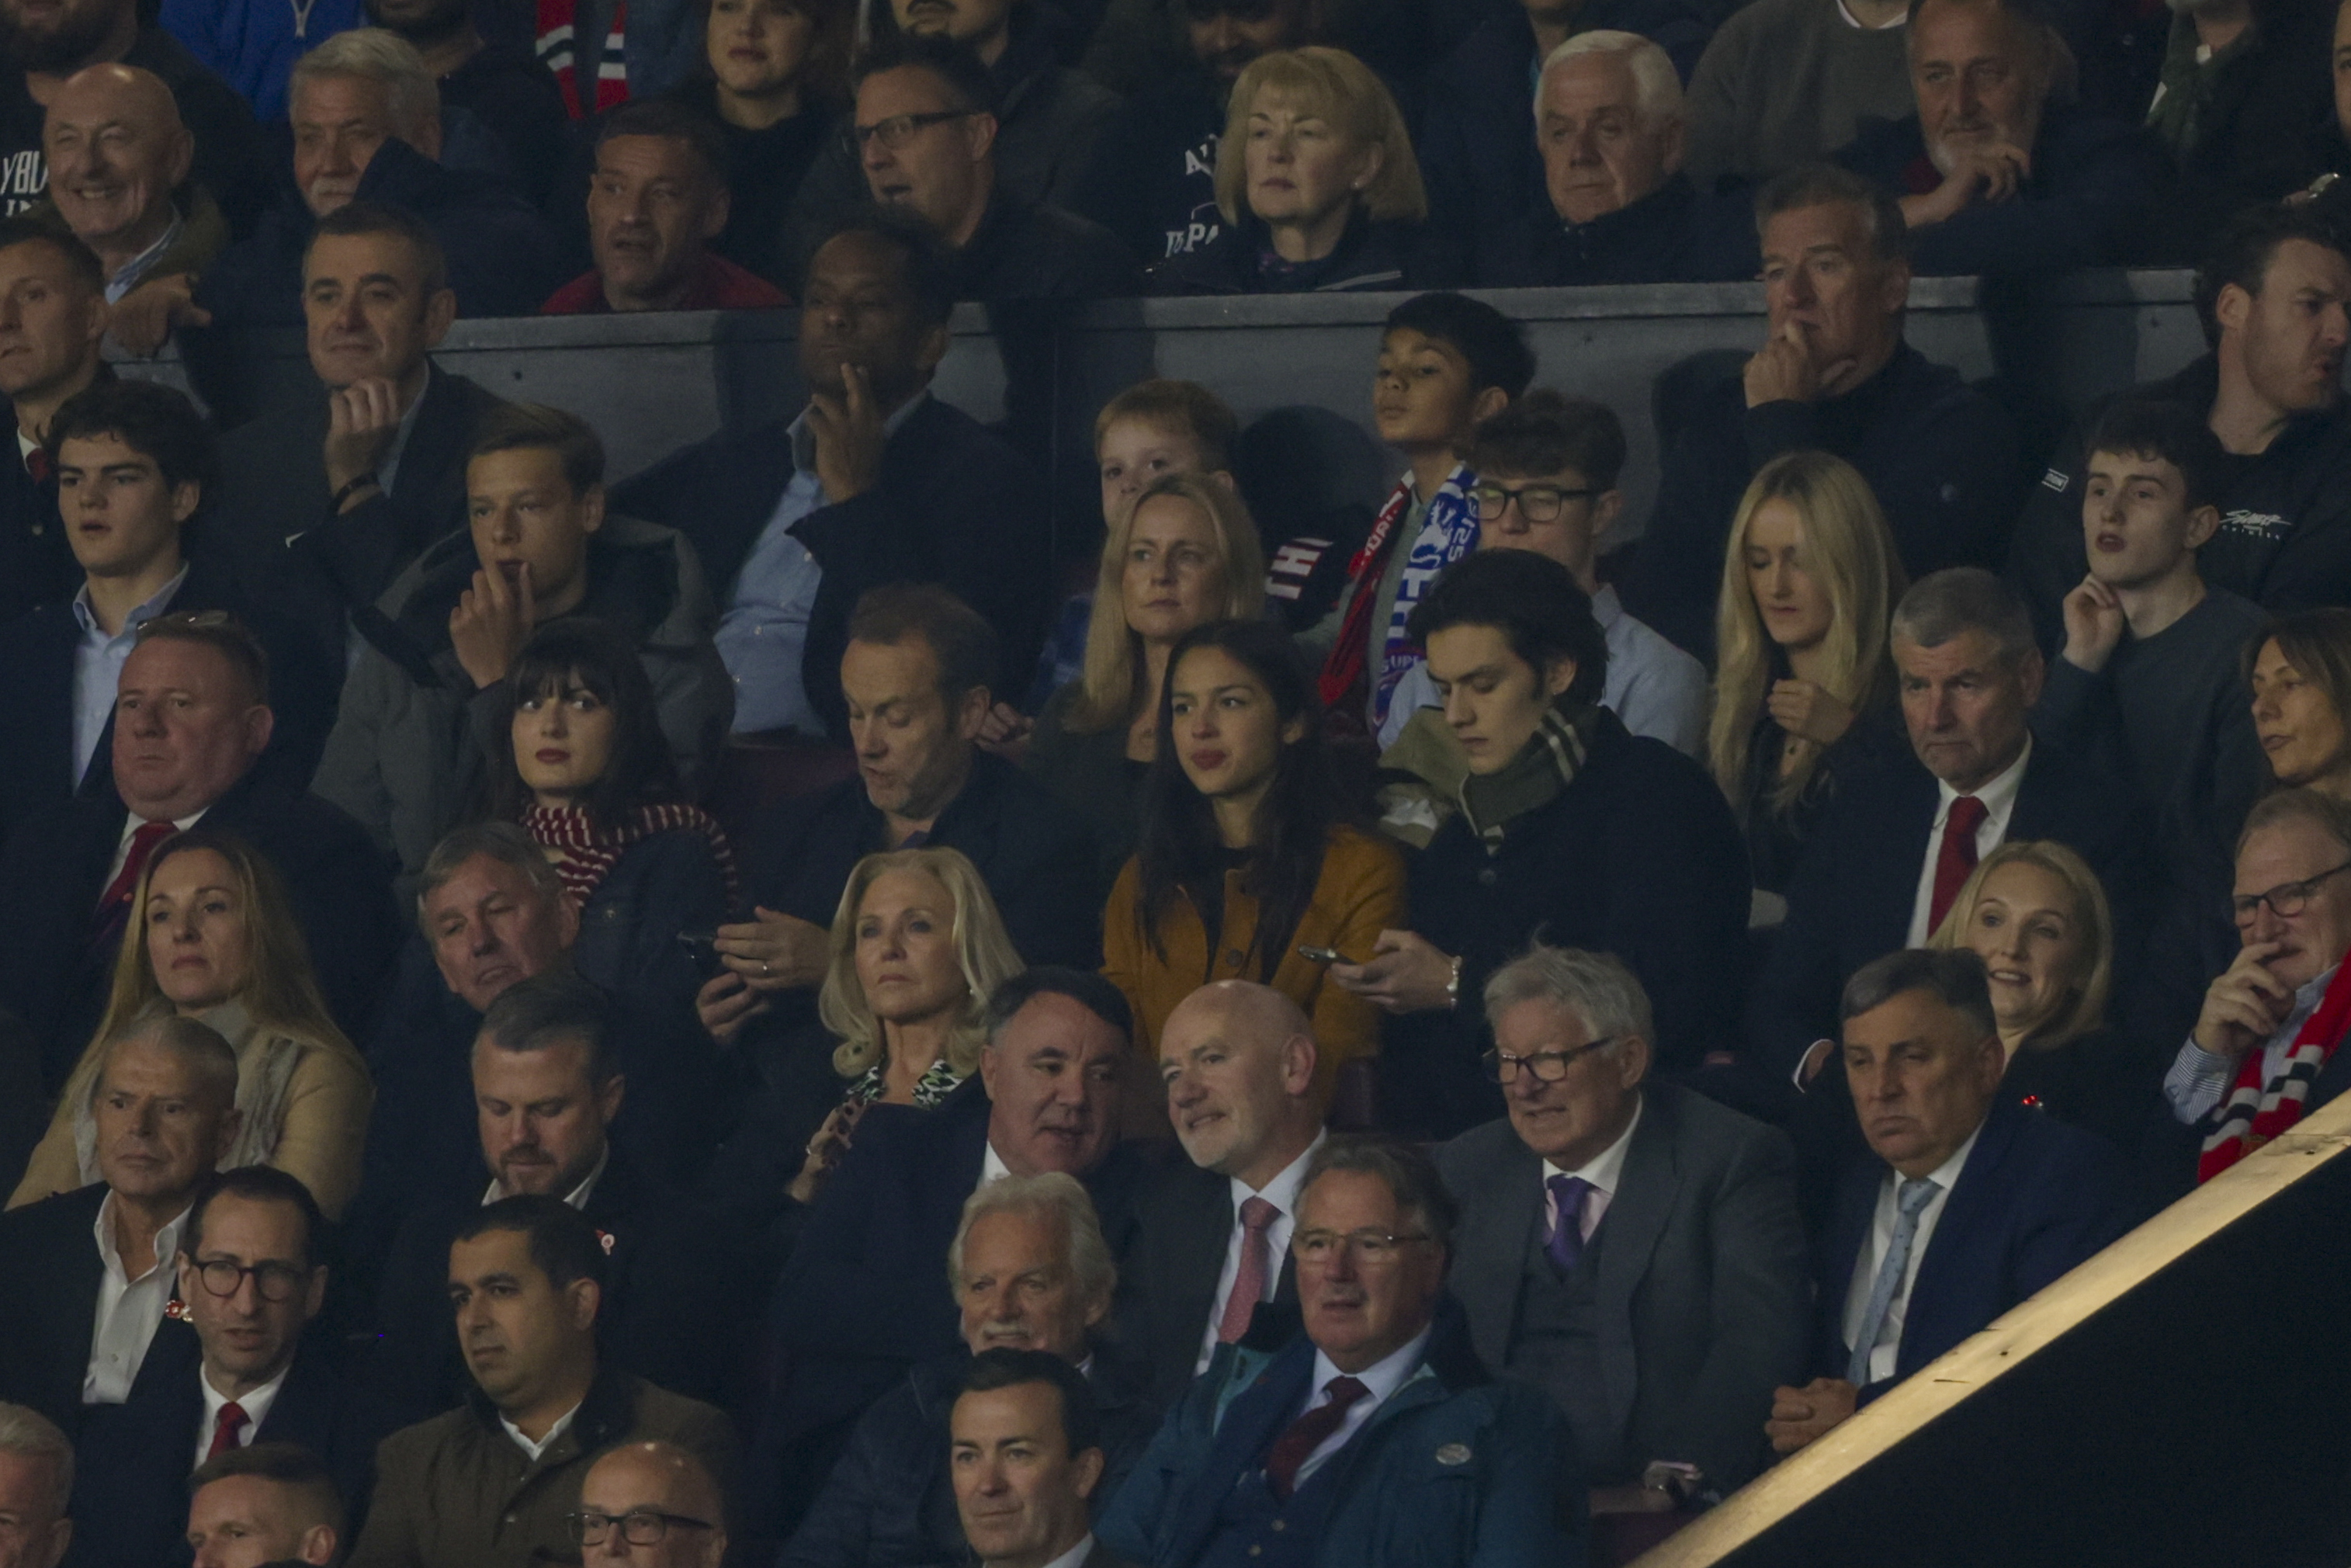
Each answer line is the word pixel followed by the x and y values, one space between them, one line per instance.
pixel 36 1476
pixel 1897 842
pixel 1632 1249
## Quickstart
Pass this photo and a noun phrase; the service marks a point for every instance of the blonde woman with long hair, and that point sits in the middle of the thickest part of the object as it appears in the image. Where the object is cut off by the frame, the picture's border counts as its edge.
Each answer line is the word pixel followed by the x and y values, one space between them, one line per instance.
pixel 1810 579
pixel 215 940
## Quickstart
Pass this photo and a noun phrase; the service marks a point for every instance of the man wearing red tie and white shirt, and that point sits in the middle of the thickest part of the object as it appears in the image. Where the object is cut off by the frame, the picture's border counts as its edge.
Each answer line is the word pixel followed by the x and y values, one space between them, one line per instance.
pixel 1238 1060
pixel 1896 842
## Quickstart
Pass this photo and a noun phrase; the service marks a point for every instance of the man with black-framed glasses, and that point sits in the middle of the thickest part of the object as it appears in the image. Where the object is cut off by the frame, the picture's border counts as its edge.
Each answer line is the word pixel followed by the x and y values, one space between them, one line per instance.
pixel 653 1504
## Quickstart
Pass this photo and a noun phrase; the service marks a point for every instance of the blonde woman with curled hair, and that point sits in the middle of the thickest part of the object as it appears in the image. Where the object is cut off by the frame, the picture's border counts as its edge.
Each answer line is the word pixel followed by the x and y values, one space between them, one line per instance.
pixel 1804 680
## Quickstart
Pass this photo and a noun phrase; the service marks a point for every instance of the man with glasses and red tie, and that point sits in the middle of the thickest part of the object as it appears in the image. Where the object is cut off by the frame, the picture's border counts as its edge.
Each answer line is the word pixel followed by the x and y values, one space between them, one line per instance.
pixel 1373 1437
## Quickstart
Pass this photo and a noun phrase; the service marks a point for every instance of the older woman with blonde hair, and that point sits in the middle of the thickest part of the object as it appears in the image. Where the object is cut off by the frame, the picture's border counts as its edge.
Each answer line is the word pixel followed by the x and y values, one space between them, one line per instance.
pixel 1316 182
pixel 1803 684
pixel 216 941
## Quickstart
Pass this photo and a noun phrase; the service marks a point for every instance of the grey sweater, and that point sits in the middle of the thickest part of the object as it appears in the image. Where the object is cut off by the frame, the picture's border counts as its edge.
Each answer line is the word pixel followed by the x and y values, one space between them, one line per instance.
pixel 1785 82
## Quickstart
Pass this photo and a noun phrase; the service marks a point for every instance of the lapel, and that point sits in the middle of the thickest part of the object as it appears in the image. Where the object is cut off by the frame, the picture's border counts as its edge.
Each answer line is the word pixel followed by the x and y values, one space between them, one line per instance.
pixel 1953 1271
pixel 1498 1224
pixel 1197 1231
pixel 1848 1234
pixel 1254 1418
pixel 1910 804
pixel 306 1405
pixel 1647 1187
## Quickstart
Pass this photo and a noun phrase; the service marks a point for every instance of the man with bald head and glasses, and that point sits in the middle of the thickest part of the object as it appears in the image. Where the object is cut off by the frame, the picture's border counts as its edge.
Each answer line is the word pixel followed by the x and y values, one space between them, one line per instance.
pixel 1632 1249
pixel 2265 1048
pixel 653 1504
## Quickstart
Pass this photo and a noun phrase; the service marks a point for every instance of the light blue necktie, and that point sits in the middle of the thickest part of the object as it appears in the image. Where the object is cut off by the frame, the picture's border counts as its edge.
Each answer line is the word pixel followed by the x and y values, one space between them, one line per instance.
pixel 1912 1200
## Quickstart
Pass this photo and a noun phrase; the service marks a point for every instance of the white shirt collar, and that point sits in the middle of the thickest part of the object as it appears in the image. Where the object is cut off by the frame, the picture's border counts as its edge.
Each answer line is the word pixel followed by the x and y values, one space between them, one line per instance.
pixel 1606 1168
pixel 1998 794
pixel 167 1241
pixel 577 1198
pixel 562 1425
pixel 1381 1378
pixel 87 619
pixel 1946 1174
pixel 1606 608
pixel 256 1404
pixel 991 1166
pixel 1282 1190
pixel 1075 1554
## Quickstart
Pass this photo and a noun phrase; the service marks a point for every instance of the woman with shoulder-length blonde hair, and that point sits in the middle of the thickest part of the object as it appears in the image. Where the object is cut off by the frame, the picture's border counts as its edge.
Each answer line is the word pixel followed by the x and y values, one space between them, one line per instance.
pixel 215 940
pixel 1182 554
pixel 1804 678
pixel 1316 181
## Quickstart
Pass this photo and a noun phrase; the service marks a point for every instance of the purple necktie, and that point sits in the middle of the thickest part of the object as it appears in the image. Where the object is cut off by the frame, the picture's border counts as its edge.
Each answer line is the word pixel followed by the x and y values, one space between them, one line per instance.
pixel 1565 1246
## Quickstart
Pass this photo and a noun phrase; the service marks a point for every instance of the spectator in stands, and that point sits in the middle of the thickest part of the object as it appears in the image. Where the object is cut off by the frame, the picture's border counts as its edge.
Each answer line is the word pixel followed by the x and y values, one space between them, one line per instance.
pixel 551 1068
pixel 135 465
pixel 916 674
pixel 1628 1246
pixel 1025 1481
pixel 322 537
pixel 1804 690
pixel 2273 295
pixel 775 78
pixel 2300 669
pixel 1785 83
pixel 366 120
pixel 238 1371
pixel 657 200
pixel 653 1502
pixel 46 44
pixel 2265 1048
pixel 874 482
pixel 1246 867
pixel 191 720
pixel 926 125
pixel 1032 1276
pixel 496 1478
pixel 165 1111
pixel 1965 1203
pixel 499 81
pixel 1316 184
pixel 36 1466
pixel 1836 374
pixel 1611 128
pixel 856 1308
pixel 587 775
pixel 2244 83
pixel 1547 469
pixel 1176 555
pixel 1568 824
pixel 541 550
pixel 1995 172
pixel 1447 361
pixel 1384 1376
pixel 1153 181
pixel 1237 1060
pixel 1895 843
pixel 1483 175
pixel 266 1503
pixel 216 941
pixel 52 319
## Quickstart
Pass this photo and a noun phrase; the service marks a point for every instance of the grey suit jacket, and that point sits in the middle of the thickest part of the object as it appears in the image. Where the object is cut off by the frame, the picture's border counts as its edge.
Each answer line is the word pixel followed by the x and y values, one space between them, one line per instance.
pixel 1702 1297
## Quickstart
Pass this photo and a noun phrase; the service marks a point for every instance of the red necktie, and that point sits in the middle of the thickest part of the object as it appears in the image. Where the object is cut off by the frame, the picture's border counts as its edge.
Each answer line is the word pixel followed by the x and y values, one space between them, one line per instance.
pixel 1303 1436
pixel 1248 1279
pixel 37 463
pixel 1957 857
pixel 119 891
pixel 224 1430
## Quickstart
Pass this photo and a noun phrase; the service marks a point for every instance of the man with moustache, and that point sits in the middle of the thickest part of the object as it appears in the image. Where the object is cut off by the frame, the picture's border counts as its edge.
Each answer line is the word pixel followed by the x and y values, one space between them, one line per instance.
pixel 36 1466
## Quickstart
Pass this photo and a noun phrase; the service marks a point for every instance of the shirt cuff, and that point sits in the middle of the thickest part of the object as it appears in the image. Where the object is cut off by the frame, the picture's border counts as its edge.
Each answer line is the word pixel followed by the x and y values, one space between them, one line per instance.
pixel 2197 1080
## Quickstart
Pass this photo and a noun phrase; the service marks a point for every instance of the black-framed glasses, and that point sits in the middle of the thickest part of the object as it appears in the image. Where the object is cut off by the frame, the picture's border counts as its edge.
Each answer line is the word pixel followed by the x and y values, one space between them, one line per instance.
pixel 2286 900
pixel 894 131
pixel 1537 502
pixel 275 1281
pixel 1370 1248
pixel 1548 1066
pixel 638 1527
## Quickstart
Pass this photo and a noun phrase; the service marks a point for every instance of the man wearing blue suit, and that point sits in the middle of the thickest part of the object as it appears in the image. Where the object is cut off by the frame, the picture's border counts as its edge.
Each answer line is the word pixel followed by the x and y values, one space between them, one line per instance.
pixel 1373 1438
pixel 1969 1202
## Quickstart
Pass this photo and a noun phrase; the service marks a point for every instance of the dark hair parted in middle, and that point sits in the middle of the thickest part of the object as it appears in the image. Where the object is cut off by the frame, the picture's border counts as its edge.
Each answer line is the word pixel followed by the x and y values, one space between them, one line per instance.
pixel 1533 602
pixel 576 656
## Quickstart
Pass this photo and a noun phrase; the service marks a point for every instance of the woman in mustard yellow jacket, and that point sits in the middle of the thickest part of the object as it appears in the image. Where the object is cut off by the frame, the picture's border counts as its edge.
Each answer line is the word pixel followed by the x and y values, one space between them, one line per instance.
pixel 1243 859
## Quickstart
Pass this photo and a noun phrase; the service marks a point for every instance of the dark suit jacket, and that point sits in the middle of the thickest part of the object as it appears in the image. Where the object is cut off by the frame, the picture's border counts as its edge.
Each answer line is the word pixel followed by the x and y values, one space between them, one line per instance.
pixel 55 866
pixel 1851 899
pixel 2036 1198
pixel 954 505
pixel 37 564
pixel 132 1461
pixel 44 1328
pixel 1702 1294
pixel 1167 1283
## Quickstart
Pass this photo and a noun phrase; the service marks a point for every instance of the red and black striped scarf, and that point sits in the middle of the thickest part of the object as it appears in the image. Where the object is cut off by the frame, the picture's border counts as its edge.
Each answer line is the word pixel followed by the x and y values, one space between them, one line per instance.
pixel 2254 1112
pixel 584 854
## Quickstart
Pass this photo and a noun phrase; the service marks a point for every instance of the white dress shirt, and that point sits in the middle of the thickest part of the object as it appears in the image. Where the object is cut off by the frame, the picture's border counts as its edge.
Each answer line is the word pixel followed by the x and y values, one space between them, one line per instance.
pixel 1888 1348
pixel 254 1404
pixel 562 1425
pixel 131 823
pixel 2200 1079
pixel 1075 1555
pixel 1603 1171
pixel 1999 798
pixel 129 1310
pixel 1282 1193
pixel 576 1198
pixel 991 1166
pixel 1381 1379
pixel 97 666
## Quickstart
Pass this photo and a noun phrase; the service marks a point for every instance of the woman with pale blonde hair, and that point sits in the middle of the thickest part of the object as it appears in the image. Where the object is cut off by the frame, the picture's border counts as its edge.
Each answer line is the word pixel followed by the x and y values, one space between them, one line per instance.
pixel 1316 182
pixel 215 940
pixel 1803 681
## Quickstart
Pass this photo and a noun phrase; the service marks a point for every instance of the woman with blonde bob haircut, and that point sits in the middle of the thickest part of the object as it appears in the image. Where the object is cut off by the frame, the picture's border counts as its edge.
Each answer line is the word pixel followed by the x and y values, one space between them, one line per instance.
pixel 1805 680
pixel 216 941
pixel 1316 181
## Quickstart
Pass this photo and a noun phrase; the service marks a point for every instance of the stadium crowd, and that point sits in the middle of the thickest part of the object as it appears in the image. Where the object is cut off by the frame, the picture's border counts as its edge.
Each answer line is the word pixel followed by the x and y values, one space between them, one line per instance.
pixel 741 1013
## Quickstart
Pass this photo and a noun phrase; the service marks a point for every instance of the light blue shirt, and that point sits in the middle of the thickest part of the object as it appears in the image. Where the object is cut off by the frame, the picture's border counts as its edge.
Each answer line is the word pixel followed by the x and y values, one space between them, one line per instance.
pixel 763 636
pixel 387 473
pixel 98 667
pixel 2200 1079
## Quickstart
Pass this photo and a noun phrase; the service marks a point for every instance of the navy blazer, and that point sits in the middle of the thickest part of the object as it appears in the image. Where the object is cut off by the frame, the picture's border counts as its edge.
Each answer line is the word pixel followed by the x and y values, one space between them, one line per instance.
pixel 45 1331
pixel 2036 1197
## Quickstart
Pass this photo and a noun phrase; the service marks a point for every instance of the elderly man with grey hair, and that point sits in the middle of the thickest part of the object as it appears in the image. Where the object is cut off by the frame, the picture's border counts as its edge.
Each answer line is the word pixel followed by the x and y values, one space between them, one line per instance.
pixel 1630 1248
pixel 1029 1270
pixel 36 1476
pixel 1896 843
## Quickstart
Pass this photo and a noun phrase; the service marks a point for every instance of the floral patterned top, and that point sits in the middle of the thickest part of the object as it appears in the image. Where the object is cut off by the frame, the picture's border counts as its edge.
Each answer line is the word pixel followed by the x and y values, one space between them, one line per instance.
pixel 939 1081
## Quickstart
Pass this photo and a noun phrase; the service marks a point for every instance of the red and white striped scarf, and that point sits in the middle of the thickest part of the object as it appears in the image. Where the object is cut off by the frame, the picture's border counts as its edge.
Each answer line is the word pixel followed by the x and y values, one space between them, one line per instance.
pixel 2255 1112
pixel 584 855
pixel 559 51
